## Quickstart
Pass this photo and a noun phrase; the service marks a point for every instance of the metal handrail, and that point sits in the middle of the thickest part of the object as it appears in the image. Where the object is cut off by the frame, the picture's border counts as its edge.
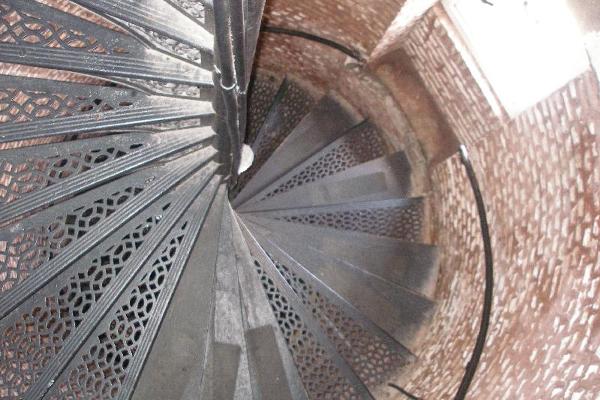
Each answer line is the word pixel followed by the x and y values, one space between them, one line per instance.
pixel 488 295
pixel 354 53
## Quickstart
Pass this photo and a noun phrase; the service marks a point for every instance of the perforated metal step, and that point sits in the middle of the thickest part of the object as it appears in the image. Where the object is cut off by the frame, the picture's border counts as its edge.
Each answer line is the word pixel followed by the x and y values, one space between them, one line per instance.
pixel 125 269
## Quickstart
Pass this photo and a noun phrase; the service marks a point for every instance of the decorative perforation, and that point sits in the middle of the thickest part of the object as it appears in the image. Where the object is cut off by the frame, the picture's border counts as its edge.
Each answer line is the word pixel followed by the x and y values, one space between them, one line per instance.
pixel 294 107
pixel 27 105
pixel 169 88
pixel 184 50
pixel 296 104
pixel 195 8
pixel 20 27
pixel 263 90
pixel 36 333
pixel 372 360
pixel 403 223
pixel 358 147
pixel 321 378
pixel 34 174
pixel 26 251
pixel 191 53
pixel 100 371
pixel 30 343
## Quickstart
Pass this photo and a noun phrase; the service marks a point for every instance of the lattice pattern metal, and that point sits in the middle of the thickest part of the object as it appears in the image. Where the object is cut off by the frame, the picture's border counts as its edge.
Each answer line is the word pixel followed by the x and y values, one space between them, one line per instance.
pixel 37 173
pixel 321 378
pixel 263 89
pixel 100 368
pixel 35 337
pixel 371 359
pixel 296 103
pixel 97 232
pixel 170 89
pixel 358 147
pixel 195 8
pixel 24 252
pixel 401 222
pixel 28 105
pixel 20 27
pixel 175 47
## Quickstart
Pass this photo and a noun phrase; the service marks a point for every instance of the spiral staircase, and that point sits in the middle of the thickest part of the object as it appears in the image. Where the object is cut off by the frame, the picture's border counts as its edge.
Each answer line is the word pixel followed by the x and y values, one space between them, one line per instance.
pixel 135 262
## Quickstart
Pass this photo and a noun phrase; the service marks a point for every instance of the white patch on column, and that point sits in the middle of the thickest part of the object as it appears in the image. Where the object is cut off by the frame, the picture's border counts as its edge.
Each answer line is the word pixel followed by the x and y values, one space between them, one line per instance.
pixel 247 158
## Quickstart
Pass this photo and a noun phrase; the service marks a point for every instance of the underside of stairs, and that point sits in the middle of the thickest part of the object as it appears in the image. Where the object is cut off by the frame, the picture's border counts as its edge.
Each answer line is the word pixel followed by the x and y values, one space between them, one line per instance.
pixel 135 263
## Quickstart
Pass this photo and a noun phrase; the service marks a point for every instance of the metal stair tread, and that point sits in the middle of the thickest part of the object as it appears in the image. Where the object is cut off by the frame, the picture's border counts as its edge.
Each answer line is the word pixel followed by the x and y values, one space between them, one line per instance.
pixel 384 178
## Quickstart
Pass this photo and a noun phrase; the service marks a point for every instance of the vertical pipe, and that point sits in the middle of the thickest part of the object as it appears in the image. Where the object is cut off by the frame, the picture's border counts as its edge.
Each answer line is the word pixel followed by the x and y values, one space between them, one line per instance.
pixel 226 77
pixel 237 26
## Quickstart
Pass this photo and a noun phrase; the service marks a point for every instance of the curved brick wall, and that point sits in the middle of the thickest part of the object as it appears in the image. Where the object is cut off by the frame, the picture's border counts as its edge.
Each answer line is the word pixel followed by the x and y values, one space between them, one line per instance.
pixel 326 69
pixel 540 176
pixel 541 181
pixel 359 24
